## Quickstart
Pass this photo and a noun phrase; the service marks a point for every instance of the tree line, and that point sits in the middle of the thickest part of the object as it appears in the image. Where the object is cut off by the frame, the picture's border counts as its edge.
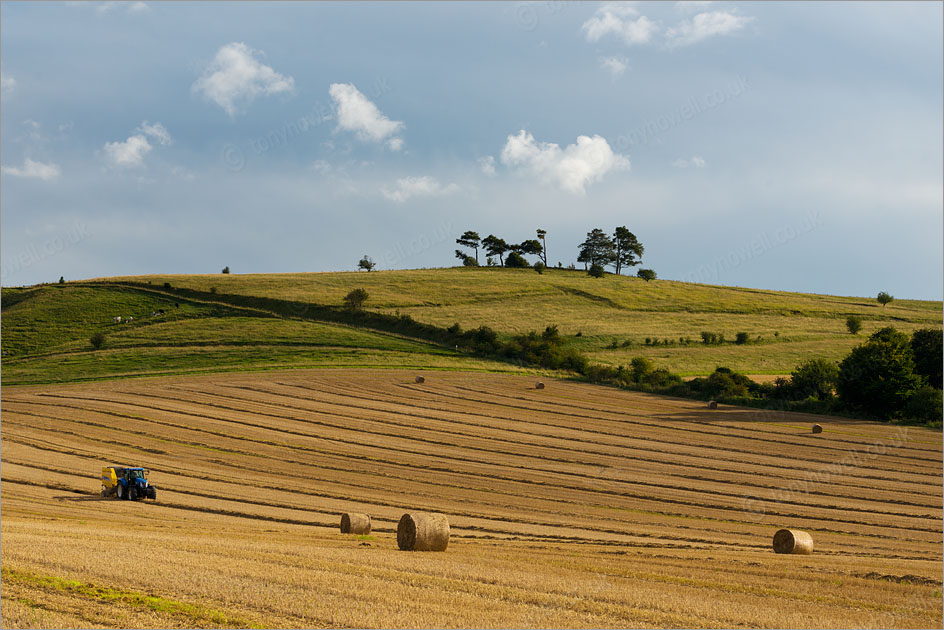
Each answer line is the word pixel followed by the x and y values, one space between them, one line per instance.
pixel 599 250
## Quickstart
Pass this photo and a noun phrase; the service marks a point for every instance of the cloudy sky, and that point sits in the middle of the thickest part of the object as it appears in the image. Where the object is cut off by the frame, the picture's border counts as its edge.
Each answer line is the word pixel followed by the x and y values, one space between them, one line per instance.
pixel 773 145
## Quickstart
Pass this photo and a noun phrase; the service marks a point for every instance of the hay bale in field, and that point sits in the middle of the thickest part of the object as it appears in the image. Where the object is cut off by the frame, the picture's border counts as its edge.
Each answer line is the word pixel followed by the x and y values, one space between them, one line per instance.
pixel 420 379
pixel 793 541
pixel 712 404
pixel 539 385
pixel 817 428
pixel 355 523
pixel 421 531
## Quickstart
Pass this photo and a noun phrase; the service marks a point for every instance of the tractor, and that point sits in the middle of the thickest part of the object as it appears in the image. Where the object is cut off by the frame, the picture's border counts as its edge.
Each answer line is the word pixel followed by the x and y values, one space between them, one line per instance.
pixel 127 483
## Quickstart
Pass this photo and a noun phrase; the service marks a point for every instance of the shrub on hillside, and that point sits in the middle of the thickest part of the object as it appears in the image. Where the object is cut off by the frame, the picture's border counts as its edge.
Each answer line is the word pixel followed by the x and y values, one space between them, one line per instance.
pixel 596 270
pixel 97 340
pixel 929 355
pixel 514 260
pixel 925 405
pixel 877 378
pixel 355 299
pixel 646 274
pixel 814 379
pixel 741 338
pixel 539 267
pixel 854 324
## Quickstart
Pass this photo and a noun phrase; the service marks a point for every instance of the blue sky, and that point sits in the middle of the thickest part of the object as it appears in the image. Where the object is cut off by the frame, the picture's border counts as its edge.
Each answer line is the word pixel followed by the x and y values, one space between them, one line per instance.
pixel 791 146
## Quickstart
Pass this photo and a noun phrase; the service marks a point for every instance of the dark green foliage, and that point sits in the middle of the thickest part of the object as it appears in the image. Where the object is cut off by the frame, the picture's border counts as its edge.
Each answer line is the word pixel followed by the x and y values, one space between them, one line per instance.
pixel 925 405
pixel 854 324
pixel 711 339
pixel 470 239
pixel 167 285
pixel 542 235
pixel 355 299
pixel 877 378
pixel 225 269
pixel 741 338
pixel 627 250
pixel 928 355
pixel 539 267
pixel 62 279
pixel 597 249
pixel 366 263
pixel 531 247
pixel 495 246
pixel 596 270
pixel 884 298
pixel 816 378
pixel 455 329
pixel 97 340
pixel 514 260
pixel 467 261
pixel 646 274
pixel 722 383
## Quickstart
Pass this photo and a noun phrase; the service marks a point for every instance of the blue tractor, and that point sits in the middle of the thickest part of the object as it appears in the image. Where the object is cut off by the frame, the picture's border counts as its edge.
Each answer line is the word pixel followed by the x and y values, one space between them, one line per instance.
pixel 127 483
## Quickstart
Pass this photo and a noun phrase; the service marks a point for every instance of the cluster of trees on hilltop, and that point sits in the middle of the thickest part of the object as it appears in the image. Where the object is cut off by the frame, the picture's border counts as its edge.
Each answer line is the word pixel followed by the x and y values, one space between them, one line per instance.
pixel 598 251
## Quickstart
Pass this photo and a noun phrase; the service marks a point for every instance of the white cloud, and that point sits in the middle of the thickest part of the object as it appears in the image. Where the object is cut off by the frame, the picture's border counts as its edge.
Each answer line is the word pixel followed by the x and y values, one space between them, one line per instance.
pixel 31 168
pixel 695 162
pixel 615 65
pixel 621 20
pixel 7 83
pixel 157 131
pixel 138 7
pixel 571 168
pixel 487 165
pixel 359 114
pixel 424 186
pixel 235 78
pixel 131 152
pixel 703 26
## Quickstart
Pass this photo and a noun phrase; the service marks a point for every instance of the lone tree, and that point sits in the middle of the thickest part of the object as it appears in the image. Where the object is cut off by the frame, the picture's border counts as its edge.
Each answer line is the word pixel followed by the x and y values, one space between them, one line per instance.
pixel 598 249
pixel 884 298
pixel 97 340
pixel 62 279
pixel 495 246
pixel 467 261
pixel 628 250
pixel 646 274
pixel 470 239
pixel 355 299
pixel 542 234
pixel 225 269
pixel 366 263
pixel 532 247
pixel 854 324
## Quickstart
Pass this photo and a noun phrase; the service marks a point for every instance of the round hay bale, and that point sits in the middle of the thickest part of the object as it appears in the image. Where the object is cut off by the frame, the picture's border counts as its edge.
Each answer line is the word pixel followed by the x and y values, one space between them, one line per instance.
pixel 712 404
pixel 793 541
pixel 420 379
pixel 421 531
pixel 817 428
pixel 355 523
pixel 539 385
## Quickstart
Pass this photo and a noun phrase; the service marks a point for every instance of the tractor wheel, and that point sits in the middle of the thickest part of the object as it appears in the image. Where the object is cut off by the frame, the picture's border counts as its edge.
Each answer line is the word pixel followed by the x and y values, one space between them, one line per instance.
pixel 104 493
pixel 152 493
pixel 133 493
pixel 118 492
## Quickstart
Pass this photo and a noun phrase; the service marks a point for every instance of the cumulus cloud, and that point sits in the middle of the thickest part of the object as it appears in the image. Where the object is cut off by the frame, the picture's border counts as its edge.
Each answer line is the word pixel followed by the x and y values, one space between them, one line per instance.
pixel 37 170
pixel 236 77
pixel 132 151
pixel 7 83
pixel 424 186
pixel 571 168
pixel 357 113
pixel 703 26
pixel 615 65
pixel 487 164
pixel 695 162
pixel 622 21
pixel 157 131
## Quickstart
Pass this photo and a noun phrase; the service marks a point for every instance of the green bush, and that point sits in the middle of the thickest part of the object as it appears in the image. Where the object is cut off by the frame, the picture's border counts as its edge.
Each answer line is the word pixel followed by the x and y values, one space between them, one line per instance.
pixel 741 338
pixel 167 285
pixel 97 340
pixel 355 299
pixel 854 324
pixel 596 270
pixel 877 378
pixel 514 260
pixel 646 274
pixel 929 355
pixel 816 378
pixel 539 267
pixel 925 405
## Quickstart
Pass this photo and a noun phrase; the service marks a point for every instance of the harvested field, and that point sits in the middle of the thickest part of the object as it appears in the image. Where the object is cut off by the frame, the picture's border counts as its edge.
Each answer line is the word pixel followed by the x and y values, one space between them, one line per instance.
pixel 576 506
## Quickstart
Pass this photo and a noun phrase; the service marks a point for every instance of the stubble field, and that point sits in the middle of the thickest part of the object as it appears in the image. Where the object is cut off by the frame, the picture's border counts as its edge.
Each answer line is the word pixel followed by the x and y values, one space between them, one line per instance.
pixel 576 506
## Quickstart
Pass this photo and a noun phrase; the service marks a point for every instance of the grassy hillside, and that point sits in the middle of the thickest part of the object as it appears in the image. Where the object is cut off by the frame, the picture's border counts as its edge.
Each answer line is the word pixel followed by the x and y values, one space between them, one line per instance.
pixel 785 328
pixel 46 331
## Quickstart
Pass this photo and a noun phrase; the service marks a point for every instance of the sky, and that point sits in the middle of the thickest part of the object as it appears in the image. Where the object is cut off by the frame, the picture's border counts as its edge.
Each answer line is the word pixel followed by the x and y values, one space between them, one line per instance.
pixel 793 146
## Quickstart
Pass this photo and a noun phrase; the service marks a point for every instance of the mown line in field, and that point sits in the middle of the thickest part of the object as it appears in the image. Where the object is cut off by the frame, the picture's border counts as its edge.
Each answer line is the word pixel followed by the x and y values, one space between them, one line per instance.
pixel 520 421
pixel 555 447
pixel 629 495
pixel 415 438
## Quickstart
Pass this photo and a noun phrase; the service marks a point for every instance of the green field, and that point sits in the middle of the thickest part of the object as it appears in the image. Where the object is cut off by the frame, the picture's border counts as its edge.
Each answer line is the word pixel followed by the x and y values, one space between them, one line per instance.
pixel 46 329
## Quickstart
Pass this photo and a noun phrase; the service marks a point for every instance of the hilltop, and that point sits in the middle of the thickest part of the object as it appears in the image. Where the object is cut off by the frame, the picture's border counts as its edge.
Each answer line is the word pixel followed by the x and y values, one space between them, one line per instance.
pixel 263 321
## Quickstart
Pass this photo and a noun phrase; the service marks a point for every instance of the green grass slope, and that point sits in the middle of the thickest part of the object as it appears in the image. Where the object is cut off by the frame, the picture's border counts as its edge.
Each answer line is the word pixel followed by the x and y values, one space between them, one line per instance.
pixel 46 331
pixel 613 315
